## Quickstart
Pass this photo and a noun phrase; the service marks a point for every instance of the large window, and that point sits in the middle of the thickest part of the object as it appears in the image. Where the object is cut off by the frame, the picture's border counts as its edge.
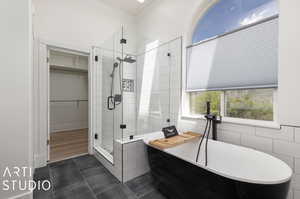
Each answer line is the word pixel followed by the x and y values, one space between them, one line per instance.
pixel 245 94
pixel 254 104
pixel 228 15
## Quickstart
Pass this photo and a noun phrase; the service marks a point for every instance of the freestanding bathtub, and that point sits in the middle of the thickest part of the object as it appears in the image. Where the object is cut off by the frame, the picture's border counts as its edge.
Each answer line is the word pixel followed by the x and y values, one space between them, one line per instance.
pixel 233 172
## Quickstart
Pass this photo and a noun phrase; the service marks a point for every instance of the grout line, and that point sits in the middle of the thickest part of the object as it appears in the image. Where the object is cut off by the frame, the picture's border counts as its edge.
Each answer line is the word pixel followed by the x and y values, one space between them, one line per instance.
pixel 85 181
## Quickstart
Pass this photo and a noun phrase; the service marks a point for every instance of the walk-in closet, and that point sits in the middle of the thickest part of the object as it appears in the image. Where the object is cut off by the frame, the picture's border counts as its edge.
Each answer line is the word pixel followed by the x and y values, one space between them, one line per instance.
pixel 68 104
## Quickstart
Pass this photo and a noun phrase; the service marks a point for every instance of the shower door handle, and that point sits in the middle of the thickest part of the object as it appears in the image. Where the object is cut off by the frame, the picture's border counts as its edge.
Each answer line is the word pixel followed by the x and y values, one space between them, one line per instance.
pixel 111 99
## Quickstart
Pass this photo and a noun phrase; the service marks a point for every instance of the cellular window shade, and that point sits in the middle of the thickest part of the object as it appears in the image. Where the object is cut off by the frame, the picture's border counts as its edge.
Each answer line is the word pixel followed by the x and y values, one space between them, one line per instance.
pixel 247 58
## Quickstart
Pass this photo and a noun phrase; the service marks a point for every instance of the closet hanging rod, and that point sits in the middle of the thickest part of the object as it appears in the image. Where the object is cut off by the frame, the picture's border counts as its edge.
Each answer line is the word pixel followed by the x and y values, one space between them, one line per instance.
pixel 68 100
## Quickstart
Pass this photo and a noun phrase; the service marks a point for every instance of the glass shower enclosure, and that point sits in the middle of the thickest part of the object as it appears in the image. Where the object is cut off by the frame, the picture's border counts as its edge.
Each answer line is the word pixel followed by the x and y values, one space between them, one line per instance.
pixel 133 94
pixel 113 92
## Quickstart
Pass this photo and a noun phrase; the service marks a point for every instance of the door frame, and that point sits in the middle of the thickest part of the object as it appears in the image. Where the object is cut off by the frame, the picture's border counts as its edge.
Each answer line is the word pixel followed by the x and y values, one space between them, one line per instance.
pixel 41 107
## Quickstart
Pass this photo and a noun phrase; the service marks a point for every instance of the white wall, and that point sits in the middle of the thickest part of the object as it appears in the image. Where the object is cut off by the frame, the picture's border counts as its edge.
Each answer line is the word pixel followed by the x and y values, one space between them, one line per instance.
pixel 79 23
pixel 289 40
pixel 15 86
pixel 167 19
pixel 72 115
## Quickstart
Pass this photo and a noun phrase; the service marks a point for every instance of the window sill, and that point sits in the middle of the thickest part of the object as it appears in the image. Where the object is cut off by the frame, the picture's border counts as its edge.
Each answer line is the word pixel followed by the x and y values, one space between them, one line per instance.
pixel 257 123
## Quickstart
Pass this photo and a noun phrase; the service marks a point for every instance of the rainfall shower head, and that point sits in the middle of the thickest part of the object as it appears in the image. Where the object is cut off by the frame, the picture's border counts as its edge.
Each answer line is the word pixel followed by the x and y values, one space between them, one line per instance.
pixel 127 59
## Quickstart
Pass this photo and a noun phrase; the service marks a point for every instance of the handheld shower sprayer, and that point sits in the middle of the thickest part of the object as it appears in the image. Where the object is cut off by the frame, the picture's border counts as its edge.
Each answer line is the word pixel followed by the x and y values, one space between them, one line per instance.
pixel 115 99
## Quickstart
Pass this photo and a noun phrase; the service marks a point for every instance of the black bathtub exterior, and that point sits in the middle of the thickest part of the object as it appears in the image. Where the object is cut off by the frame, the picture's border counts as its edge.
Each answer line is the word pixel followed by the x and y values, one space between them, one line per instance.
pixel 178 179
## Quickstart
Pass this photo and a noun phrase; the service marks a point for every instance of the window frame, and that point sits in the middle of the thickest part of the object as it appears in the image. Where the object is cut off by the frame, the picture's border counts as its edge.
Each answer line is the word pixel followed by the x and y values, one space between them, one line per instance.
pixel 186 114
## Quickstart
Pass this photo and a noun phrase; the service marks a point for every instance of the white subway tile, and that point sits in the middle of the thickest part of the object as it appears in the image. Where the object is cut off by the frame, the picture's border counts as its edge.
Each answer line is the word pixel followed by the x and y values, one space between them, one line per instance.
pixel 285 133
pixel 243 129
pixel 291 194
pixel 297 165
pixel 296 194
pixel 297 135
pixel 296 181
pixel 229 137
pixel 258 143
pixel 287 148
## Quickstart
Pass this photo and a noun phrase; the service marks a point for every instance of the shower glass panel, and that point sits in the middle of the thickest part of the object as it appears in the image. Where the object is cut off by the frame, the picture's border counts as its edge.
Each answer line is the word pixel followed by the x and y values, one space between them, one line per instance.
pixel 158 86
pixel 114 76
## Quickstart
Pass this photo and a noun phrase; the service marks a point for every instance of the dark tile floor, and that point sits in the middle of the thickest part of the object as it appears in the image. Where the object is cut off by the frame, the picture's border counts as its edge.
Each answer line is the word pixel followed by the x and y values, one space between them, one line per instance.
pixel 86 178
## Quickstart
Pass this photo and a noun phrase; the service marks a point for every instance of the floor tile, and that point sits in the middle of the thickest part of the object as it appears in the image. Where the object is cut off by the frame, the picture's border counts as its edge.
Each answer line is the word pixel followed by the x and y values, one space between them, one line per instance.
pixel 153 195
pixel 94 171
pixel 141 185
pixel 117 192
pixel 102 182
pixel 41 194
pixel 64 174
pixel 86 162
pixel 75 191
pixel 60 163
pixel 42 173
pixel 85 178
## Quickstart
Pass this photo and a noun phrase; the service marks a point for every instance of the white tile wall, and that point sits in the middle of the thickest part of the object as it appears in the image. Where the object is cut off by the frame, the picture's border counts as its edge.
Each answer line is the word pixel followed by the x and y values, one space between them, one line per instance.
pixel 287 148
pixel 229 137
pixel 296 194
pixel 263 144
pixel 285 133
pixel 245 130
pixel 135 161
pixel 296 181
pixel 297 135
pixel 297 165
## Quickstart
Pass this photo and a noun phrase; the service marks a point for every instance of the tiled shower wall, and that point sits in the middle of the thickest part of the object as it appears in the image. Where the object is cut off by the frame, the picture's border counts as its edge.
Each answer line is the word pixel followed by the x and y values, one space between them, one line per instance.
pixel 282 143
pixel 112 119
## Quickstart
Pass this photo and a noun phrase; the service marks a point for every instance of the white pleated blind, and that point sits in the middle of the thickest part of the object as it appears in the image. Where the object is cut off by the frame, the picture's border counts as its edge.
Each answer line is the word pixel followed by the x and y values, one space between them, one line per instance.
pixel 247 58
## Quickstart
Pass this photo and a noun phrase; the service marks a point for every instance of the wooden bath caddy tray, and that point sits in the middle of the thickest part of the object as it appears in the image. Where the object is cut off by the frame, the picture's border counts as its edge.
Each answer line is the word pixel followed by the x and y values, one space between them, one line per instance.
pixel 165 143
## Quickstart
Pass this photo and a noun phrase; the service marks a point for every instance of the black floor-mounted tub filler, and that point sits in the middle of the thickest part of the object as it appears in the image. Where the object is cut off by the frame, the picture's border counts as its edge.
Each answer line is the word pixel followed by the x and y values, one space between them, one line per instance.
pixel 232 172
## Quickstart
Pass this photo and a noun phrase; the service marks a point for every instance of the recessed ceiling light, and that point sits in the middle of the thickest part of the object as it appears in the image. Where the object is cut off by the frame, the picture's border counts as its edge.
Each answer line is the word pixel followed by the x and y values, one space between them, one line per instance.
pixel 141 1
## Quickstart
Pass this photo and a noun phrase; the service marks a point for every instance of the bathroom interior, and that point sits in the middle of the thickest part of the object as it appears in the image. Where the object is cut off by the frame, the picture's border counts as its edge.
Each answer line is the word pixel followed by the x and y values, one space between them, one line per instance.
pixel 152 99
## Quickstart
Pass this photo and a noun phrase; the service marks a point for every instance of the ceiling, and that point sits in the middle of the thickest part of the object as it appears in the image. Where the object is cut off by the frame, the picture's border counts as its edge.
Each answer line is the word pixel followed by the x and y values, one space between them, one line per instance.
pixel 131 6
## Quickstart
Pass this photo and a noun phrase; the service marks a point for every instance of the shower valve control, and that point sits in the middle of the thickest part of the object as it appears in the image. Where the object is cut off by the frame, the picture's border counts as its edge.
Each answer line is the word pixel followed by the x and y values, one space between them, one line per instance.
pixel 123 126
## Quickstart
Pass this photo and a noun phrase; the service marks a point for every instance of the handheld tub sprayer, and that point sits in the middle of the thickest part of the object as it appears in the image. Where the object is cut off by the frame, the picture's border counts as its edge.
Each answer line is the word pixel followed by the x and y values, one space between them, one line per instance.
pixel 211 122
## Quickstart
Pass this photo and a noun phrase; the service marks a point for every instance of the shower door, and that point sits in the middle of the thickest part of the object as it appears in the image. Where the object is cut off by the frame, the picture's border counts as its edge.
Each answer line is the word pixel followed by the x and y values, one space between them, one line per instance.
pixel 104 120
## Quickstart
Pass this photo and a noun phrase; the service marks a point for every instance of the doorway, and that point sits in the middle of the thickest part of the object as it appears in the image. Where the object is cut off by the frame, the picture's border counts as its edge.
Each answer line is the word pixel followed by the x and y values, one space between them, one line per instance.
pixel 68 104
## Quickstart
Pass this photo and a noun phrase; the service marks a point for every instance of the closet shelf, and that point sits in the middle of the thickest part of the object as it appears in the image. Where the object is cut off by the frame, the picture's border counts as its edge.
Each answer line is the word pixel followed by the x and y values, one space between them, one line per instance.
pixel 68 68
